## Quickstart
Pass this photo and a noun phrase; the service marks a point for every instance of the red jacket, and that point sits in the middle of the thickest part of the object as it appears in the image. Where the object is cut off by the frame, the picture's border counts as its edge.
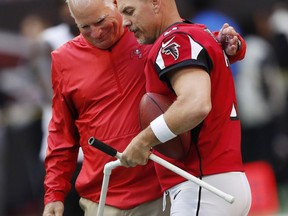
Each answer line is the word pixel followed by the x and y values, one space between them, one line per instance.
pixel 97 93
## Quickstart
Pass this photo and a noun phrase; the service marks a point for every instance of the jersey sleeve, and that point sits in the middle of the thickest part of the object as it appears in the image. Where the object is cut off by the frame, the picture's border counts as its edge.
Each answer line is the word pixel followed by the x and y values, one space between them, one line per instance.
pixel 62 151
pixel 180 50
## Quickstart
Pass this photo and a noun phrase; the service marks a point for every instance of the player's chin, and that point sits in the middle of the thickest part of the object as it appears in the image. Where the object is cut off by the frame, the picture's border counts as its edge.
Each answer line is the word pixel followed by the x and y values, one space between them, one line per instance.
pixel 140 37
pixel 147 39
pixel 143 40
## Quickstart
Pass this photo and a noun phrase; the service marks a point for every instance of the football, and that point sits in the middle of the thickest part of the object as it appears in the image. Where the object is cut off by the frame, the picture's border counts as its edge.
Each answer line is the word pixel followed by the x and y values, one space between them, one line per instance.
pixel 151 106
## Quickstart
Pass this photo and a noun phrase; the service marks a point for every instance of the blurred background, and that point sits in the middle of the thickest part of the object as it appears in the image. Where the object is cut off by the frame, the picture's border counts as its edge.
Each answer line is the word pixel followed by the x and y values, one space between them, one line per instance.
pixel 31 29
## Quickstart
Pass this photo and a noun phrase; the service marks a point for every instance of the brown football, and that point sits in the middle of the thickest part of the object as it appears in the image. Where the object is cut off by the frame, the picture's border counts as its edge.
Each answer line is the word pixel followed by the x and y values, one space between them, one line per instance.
pixel 151 106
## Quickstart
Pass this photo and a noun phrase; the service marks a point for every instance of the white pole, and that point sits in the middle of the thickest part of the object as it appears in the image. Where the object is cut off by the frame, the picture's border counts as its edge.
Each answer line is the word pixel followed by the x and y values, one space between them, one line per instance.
pixel 107 172
pixel 111 165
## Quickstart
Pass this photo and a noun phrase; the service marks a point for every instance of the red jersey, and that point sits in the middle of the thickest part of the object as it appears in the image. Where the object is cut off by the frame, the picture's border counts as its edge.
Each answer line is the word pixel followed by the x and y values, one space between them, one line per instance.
pixel 215 145
pixel 97 93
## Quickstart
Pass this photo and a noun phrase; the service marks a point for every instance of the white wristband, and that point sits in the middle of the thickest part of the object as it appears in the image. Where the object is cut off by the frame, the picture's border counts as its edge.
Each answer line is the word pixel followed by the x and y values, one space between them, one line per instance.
pixel 161 129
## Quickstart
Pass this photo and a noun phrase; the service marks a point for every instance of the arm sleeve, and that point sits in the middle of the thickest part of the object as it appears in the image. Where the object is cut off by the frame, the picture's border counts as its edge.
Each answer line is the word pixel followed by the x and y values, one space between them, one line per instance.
pixel 63 142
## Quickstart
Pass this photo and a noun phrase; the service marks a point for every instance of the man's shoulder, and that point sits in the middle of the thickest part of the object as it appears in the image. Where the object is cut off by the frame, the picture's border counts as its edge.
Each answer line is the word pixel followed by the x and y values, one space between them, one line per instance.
pixel 72 44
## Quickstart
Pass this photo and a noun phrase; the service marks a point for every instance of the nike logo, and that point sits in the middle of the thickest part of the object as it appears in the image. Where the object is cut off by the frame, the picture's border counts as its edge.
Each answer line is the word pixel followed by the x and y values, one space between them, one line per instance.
pixel 167 43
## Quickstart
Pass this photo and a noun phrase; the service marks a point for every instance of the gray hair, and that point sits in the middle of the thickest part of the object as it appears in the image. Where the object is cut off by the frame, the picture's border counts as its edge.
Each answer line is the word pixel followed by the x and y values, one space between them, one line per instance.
pixel 86 3
pixel 77 3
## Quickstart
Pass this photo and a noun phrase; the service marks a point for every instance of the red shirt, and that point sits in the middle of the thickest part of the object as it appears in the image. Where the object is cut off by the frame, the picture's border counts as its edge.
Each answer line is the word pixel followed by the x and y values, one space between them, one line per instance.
pixel 97 93
pixel 215 145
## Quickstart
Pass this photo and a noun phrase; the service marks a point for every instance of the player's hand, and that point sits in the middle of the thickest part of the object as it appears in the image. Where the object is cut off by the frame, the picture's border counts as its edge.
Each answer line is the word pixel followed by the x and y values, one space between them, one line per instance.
pixel 228 38
pixel 135 154
pixel 54 209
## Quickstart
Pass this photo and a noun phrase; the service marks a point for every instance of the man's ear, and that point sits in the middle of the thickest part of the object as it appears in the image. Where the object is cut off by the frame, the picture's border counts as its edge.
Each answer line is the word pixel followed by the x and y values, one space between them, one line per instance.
pixel 156 4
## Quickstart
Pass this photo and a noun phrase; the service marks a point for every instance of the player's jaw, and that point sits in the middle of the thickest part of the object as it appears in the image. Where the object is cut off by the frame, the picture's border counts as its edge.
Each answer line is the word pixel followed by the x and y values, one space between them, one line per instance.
pixel 141 35
pixel 138 34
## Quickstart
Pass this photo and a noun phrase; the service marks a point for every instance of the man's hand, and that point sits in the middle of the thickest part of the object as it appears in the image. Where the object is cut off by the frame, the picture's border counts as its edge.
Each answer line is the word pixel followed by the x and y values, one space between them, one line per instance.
pixel 228 37
pixel 54 209
pixel 136 153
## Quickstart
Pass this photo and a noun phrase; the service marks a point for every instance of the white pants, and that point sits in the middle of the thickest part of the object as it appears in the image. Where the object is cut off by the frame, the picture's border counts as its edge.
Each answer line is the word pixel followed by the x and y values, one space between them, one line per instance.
pixel 188 199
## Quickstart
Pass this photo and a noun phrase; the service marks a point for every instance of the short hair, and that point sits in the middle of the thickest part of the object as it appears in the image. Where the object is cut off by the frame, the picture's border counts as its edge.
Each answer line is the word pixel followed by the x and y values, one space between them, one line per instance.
pixel 86 3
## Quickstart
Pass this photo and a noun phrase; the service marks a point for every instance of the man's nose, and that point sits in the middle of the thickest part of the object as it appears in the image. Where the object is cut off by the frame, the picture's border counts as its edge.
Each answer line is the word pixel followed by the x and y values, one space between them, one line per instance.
pixel 126 22
pixel 96 31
